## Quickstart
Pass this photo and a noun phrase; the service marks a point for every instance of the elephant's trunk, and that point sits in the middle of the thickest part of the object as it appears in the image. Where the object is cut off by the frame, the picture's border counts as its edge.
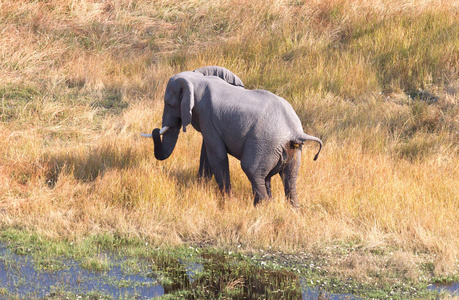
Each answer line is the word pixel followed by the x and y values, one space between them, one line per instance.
pixel 163 148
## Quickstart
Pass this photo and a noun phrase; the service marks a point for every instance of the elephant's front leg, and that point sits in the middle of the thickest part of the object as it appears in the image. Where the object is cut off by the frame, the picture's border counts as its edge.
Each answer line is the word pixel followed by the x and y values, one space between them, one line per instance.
pixel 204 166
pixel 217 158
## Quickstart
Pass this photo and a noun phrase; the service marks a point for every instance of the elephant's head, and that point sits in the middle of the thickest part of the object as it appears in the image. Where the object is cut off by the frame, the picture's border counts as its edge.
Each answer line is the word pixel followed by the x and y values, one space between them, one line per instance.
pixel 178 103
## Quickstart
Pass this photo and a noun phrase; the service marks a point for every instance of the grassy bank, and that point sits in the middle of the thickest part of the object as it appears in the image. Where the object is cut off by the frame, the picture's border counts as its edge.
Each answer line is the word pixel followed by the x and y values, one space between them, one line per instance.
pixel 107 266
pixel 377 81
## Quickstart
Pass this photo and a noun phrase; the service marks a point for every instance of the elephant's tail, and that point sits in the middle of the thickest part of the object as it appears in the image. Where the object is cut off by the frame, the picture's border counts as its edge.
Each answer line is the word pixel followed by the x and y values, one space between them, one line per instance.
pixel 305 137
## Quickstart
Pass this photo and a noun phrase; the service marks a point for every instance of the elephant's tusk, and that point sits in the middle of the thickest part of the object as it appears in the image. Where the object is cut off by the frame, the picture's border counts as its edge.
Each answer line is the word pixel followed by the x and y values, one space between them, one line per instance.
pixel 161 132
pixel 164 130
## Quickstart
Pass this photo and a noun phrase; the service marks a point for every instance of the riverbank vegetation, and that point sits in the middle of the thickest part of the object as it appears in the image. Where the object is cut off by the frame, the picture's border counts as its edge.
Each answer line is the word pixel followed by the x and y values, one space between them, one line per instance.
pixel 377 81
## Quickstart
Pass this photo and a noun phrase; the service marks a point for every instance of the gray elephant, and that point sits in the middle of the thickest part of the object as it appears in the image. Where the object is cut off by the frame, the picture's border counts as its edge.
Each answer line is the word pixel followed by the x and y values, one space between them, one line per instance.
pixel 257 127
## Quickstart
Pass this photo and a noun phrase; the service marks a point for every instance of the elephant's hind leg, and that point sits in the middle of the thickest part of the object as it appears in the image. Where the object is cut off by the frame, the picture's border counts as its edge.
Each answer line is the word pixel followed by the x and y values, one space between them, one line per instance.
pixel 268 186
pixel 259 189
pixel 289 175
pixel 260 179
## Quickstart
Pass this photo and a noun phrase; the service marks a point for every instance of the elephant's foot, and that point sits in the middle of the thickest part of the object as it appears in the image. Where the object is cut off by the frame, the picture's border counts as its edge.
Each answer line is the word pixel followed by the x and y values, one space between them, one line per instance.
pixel 294 204
pixel 258 200
pixel 204 174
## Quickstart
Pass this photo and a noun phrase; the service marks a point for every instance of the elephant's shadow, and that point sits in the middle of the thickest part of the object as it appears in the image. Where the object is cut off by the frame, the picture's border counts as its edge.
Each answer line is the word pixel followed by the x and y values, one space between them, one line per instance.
pixel 88 164
pixel 187 177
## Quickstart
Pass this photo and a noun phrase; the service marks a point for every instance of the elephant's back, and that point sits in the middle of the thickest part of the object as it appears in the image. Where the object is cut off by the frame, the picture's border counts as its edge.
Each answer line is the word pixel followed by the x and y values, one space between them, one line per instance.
pixel 278 111
pixel 253 113
pixel 272 119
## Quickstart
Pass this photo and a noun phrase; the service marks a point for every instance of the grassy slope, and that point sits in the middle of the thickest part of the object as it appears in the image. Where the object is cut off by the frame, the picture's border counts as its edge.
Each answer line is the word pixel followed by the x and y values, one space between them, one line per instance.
pixel 80 79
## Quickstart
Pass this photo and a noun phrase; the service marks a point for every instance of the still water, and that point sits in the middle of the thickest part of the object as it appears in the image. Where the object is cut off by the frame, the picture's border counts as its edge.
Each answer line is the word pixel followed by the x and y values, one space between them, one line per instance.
pixel 20 276
pixel 451 288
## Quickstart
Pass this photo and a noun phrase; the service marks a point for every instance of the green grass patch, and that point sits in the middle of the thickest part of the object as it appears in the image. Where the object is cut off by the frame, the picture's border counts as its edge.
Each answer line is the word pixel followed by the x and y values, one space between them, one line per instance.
pixel 18 101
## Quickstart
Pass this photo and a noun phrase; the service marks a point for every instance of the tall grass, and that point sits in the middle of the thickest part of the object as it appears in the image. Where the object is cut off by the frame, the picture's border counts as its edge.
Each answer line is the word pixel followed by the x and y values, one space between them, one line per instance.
pixel 377 81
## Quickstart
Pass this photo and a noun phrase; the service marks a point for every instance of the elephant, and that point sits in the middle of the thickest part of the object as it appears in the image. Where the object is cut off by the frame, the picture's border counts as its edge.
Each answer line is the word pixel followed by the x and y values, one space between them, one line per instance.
pixel 257 127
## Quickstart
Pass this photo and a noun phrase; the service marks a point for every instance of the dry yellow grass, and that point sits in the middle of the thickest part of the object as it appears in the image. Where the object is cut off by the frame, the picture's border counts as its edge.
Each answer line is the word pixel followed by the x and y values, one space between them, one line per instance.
pixel 79 80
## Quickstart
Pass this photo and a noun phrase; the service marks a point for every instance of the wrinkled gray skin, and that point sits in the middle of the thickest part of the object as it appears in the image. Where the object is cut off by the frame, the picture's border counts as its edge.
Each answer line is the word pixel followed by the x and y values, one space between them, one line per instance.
pixel 231 78
pixel 257 127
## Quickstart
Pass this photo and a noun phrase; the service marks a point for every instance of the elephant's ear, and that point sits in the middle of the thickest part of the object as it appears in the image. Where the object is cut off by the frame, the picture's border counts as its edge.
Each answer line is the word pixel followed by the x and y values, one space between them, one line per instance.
pixel 187 101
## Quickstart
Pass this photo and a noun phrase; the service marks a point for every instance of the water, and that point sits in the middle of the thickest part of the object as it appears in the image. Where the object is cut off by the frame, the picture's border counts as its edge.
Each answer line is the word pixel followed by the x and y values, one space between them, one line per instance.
pixel 20 277
pixel 193 269
pixel 452 287
pixel 316 293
